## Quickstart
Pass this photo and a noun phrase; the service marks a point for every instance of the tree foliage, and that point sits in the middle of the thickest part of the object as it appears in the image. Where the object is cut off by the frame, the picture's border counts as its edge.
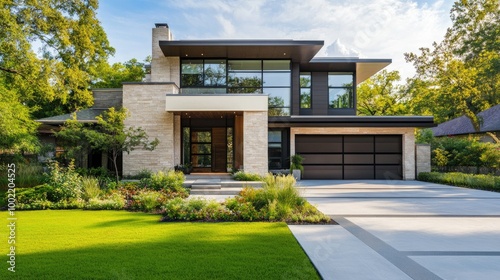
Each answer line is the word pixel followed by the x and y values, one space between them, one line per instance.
pixel 17 129
pixel 109 135
pixel 460 75
pixel 112 76
pixel 381 95
pixel 50 51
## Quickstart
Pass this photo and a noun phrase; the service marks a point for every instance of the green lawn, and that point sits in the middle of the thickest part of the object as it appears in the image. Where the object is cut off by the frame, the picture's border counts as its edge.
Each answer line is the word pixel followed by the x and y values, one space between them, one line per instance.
pixel 76 244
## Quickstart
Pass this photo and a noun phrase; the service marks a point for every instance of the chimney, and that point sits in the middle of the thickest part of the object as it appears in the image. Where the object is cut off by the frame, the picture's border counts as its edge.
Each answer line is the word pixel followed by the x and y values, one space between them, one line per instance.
pixel 160 65
pixel 161 32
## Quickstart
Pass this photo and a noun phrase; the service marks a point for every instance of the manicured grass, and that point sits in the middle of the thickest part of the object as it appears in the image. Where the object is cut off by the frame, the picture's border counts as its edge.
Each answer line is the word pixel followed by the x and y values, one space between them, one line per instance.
pixel 76 244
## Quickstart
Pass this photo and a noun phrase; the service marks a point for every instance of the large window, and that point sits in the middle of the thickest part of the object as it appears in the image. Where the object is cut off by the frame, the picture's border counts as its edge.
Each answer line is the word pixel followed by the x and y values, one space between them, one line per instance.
pixel 340 90
pixel 305 90
pixel 275 149
pixel 271 77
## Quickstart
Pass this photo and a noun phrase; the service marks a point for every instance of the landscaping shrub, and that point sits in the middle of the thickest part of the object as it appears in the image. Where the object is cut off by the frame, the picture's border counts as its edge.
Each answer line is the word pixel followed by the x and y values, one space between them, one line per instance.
pixel 90 188
pixel 455 151
pixel 278 200
pixel 27 175
pixel 195 209
pixel 144 173
pixel 147 201
pixel 114 201
pixel 246 176
pixel 38 193
pixel 172 181
pixel 480 181
pixel 65 181
pixel 103 175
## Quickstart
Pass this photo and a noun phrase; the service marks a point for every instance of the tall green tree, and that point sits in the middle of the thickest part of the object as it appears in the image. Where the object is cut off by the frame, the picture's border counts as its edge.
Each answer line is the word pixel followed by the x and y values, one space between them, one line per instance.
pixel 460 75
pixel 50 51
pixel 381 95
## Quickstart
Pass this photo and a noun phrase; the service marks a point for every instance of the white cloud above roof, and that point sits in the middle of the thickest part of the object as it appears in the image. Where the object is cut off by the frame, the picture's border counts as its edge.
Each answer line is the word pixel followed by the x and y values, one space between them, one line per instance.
pixel 375 29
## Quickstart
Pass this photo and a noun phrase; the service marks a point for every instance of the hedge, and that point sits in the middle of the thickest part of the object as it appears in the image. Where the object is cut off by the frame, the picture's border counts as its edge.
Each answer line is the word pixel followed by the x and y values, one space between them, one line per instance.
pixel 480 182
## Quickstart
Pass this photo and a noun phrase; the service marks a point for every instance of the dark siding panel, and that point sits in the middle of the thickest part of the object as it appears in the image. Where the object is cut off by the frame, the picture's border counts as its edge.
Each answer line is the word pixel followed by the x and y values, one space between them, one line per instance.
pixel 319 91
pixel 388 172
pixel 358 172
pixel 358 144
pixel 322 159
pixel 322 172
pixel 388 144
pixel 295 89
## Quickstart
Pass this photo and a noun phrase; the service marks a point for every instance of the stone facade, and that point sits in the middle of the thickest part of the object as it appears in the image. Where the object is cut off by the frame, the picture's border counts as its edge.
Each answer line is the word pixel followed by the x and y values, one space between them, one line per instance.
pixel 423 158
pixel 163 69
pixel 406 132
pixel 146 105
pixel 255 142
pixel 105 98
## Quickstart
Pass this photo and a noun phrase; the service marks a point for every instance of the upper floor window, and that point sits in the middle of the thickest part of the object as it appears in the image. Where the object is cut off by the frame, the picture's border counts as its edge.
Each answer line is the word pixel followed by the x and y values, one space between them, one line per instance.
pixel 305 90
pixel 272 77
pixel 340 90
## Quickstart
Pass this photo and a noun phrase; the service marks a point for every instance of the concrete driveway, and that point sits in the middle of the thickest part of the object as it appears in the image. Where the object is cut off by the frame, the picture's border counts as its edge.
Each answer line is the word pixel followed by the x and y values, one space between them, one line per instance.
pixel 402 230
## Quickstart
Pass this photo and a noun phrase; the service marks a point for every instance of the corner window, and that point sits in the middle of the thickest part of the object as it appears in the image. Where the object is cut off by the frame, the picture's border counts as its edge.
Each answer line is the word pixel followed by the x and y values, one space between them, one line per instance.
pixel 340 90
pixel 305 90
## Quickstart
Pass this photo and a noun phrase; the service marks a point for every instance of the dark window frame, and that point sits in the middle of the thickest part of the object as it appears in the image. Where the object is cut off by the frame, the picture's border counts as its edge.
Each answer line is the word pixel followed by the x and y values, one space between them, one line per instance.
pixel 259 90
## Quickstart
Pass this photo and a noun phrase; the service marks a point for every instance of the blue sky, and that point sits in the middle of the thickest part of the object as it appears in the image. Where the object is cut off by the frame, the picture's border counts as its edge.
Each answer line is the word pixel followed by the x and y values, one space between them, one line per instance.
pixel 370 29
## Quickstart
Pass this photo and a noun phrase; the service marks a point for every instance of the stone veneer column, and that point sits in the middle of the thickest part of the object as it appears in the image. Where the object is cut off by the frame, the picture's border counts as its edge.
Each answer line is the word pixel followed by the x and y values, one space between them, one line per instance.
pixel 163 69
pixel 146 105
pixel 409 155
pixel 422 158
pixel 255 142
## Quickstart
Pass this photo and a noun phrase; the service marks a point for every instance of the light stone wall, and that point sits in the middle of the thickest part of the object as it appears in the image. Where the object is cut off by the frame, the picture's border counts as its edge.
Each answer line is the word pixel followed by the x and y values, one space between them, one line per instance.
pixel 146 105
pixel 423 158
pixel 406 132
pixel 255 142
pixel 177 139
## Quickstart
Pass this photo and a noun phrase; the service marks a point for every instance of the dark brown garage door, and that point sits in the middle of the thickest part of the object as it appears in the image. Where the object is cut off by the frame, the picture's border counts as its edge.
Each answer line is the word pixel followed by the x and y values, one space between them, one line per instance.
pixel 350 156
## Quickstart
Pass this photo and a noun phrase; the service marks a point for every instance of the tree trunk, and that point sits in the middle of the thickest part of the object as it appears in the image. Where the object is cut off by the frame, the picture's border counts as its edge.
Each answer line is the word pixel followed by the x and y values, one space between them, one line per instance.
pixel 115 156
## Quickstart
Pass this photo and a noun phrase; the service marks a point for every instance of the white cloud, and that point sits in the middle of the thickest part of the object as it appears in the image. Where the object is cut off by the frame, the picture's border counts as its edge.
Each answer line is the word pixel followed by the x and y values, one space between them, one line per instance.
pixel 376 29
pixel 337 49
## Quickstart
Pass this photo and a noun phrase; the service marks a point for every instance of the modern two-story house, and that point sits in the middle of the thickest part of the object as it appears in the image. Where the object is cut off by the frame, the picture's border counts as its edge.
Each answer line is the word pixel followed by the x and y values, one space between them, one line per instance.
pixel 250 104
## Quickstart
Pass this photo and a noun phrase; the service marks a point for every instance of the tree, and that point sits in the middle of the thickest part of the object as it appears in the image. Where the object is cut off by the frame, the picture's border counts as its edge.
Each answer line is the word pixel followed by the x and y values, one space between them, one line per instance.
pixel 381 95
pixel 461 74
pixel 109 135
pixel 17 129
pixel 54 79
pixel 112 76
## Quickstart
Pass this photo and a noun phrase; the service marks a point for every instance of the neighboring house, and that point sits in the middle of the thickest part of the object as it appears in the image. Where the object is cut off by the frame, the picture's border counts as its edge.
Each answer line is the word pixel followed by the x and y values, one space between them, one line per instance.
pixel 103 100
pixel 250 104
pixel 490 122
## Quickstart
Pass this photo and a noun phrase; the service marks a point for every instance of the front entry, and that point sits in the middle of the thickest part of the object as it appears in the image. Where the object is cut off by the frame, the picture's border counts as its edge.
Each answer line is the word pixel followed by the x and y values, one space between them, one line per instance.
pixel 207 144
pixel 208 149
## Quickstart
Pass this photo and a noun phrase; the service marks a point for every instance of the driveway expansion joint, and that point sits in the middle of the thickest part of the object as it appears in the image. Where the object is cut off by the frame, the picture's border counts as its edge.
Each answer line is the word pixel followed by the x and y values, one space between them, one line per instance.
pixel 398 259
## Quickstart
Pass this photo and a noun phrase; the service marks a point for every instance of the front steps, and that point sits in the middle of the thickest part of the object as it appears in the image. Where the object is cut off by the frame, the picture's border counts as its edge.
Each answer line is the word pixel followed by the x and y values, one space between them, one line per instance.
pixel 216 184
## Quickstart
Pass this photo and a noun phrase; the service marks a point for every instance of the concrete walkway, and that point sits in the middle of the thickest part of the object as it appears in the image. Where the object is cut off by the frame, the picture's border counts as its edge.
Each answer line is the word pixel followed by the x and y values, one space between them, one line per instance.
pixel 402 230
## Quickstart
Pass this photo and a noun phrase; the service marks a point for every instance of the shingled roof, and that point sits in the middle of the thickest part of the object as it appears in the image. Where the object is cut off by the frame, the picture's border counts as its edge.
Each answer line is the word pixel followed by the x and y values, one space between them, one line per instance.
pixel 463 125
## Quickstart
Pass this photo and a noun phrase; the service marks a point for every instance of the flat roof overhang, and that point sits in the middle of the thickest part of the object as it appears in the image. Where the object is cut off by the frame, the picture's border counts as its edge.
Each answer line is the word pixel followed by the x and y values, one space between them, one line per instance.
pixel 364 68
pixel 352 121
pixel 296 50
pixel 216 102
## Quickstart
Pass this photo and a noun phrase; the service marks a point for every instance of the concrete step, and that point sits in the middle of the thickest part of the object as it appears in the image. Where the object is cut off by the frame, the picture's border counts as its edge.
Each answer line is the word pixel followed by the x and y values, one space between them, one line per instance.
pixel 225 191
pixel 206 186
pixel 241 184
